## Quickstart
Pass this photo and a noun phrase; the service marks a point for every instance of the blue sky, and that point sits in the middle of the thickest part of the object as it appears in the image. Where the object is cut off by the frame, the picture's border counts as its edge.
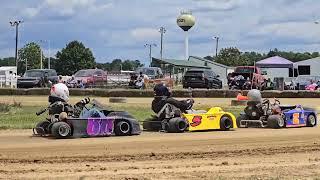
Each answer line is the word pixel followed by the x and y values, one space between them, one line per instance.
pixel 120 28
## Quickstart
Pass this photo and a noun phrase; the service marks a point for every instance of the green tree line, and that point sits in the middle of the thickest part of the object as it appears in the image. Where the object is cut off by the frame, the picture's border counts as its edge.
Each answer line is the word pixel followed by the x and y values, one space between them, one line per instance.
pixel 75 56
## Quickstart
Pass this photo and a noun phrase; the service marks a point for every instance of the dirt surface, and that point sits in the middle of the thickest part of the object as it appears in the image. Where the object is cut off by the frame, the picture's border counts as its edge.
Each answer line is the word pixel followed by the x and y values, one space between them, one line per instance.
pixel 239 154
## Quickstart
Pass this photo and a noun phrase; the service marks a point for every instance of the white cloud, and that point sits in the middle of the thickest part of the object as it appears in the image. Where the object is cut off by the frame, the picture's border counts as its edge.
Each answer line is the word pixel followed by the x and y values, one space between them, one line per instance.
pixel 144 34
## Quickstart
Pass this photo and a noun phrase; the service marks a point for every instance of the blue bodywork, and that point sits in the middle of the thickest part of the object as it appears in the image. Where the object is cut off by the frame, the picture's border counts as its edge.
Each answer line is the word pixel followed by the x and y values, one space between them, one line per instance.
pixel 298 116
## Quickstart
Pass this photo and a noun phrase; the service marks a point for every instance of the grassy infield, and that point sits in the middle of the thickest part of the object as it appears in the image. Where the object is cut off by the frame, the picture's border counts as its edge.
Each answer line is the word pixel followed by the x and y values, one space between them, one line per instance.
pixel 15 116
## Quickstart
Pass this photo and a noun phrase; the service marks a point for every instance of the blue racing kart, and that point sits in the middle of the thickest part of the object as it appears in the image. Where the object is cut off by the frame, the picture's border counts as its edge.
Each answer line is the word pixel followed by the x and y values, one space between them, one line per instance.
pixel 274 115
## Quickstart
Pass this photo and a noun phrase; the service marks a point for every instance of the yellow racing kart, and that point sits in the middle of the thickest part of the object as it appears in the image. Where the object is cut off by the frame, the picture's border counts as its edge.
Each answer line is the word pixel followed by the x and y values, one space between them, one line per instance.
pixel 214 119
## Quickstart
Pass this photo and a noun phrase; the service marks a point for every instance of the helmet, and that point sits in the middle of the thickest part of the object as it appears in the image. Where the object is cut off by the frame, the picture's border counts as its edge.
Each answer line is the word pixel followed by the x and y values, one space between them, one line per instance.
pixel 61 91
pixel 161 90
pixel 254 95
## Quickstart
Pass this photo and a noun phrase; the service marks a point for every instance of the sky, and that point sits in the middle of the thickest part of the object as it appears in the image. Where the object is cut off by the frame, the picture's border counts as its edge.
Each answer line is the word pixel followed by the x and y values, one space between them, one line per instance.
pixel 120 28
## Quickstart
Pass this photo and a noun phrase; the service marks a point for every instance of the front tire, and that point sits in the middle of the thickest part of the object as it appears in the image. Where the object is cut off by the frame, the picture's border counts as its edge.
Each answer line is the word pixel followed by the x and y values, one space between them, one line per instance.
pixel 311 120
pixel 226 123
pixel 240 118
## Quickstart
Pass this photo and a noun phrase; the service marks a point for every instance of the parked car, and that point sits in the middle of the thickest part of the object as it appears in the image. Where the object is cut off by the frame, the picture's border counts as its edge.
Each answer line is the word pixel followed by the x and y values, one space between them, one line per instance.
pixel 89 77
pixel 302 81
pixel 251 74
pixel 201 78
pixel 37 78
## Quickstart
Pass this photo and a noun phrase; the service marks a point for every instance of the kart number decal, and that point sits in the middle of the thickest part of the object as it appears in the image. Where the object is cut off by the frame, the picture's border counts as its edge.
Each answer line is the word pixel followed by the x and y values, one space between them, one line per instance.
pixel 295 119
pixel 100 127
pixel 196 121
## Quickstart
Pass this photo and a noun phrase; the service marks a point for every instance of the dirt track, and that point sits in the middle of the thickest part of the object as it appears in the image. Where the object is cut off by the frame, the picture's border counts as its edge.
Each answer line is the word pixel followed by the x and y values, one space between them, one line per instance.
pixel 244 153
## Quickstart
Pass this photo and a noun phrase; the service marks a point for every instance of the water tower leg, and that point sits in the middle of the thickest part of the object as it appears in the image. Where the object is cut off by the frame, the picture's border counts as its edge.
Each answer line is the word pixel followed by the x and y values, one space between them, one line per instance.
pixel 186 41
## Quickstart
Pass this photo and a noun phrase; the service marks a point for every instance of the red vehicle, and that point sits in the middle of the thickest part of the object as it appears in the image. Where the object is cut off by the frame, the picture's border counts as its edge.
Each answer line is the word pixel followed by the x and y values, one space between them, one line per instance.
pixel 246 77
pixel 90 77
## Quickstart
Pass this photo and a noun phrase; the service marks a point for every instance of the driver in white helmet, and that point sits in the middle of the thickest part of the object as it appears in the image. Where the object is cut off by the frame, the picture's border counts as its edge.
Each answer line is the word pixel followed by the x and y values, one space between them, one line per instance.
pixel 59 92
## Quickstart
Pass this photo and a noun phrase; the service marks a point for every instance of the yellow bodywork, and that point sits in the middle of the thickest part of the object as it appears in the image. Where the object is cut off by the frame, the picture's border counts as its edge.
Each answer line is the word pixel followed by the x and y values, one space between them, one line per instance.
pixel 209 120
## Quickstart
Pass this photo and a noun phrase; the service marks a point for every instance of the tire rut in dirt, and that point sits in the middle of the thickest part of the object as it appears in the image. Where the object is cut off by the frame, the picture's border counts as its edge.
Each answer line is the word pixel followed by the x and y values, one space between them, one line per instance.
pixel 170 156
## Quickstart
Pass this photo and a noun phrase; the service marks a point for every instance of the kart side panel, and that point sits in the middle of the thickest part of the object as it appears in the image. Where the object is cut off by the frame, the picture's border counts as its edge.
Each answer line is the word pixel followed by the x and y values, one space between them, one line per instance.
pixel 209 120
pixel 92 127
pixel 297 117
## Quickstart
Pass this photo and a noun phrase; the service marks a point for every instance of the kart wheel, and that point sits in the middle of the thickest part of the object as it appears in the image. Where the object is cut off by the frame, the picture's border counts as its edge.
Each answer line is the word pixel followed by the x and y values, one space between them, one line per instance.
pixel 275 122
pixel 176 125
pixel 123 128
pixel 239 119
pixel 42 127
pixel 225 123
pixel 151 125
pixel 61 130
pixel 311 120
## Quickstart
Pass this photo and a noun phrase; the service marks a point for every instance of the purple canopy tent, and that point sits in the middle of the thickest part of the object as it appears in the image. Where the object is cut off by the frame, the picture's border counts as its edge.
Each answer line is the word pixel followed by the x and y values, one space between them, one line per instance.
pixel 275 62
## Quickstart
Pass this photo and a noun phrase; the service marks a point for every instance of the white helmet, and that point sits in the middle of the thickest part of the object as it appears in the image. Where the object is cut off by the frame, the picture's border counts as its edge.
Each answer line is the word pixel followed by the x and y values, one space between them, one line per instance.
pixel 60 90
pixel 254 95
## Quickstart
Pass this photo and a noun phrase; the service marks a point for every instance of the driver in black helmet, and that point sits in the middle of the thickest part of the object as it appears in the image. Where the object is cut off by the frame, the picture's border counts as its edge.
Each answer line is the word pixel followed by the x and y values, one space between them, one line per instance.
pixel 162 96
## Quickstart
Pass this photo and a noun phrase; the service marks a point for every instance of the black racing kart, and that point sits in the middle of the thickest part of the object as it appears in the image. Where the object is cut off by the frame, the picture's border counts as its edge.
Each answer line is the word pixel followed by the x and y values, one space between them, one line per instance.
pixel 84 119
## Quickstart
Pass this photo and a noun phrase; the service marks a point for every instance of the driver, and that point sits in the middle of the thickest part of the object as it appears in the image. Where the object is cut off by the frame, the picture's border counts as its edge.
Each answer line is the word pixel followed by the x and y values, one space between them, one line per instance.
pixel 163 96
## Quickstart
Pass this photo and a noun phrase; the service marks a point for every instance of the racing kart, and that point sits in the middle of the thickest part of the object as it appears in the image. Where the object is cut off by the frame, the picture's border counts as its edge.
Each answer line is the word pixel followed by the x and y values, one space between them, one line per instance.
pixel 170 119
pixel 85 119
pixel 214 119
pixel 274 115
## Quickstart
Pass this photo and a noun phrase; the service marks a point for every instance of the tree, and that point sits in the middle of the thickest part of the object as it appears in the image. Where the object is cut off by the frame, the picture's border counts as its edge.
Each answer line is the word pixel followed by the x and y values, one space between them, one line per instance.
pixel 75 56
pixel 30 53
pixel 229 56
pixel 115 65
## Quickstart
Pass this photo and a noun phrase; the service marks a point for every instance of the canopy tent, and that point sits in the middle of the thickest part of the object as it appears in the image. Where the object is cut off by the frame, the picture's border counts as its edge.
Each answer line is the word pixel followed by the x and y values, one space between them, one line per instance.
pixel 275 62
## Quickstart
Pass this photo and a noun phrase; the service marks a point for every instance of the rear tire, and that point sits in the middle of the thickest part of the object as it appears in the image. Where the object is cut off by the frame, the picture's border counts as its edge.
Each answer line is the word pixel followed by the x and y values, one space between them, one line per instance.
pixel 122 128
pixel 226 123
pixel 275 122
pixel 42 127
pixel 311 120
pixel 177 125
pixel 61 130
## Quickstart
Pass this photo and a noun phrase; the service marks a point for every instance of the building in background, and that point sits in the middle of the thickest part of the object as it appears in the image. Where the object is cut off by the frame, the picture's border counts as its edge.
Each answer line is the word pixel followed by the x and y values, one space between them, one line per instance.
pixel 309 67
pixel 276 67
pixel 8 76
pixel 178 67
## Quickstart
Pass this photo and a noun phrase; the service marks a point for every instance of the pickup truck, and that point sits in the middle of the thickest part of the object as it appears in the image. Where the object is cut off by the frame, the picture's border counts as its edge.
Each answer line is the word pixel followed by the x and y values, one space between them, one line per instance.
pixel 246 77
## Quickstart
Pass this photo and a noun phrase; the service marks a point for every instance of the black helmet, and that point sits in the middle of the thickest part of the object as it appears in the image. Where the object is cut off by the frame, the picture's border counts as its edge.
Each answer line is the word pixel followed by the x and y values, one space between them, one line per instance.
pixel 161 90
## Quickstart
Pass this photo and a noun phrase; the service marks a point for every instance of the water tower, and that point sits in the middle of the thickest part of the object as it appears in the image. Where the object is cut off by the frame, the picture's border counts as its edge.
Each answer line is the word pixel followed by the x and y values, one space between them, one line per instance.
pixel 185 21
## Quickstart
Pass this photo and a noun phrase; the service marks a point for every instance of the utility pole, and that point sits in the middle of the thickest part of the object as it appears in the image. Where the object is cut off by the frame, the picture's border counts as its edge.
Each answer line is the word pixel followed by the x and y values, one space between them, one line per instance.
pixel 162 31
pixel 49 52
pixel 16 25
pixel 150 51
pixel 217 44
